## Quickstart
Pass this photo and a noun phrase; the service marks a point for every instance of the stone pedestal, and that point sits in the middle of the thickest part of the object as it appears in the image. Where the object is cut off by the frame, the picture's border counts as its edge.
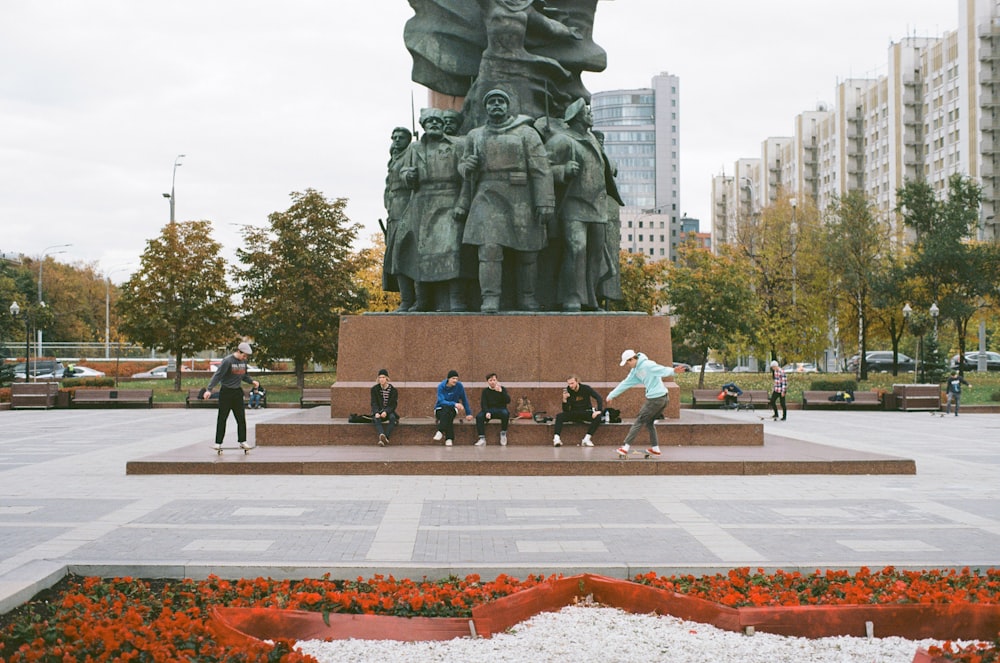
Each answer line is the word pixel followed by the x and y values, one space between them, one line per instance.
pixel 532 353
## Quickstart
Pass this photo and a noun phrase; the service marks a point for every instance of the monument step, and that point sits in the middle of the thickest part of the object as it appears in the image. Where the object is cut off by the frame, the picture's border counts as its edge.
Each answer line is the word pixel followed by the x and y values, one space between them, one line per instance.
pixel 693 430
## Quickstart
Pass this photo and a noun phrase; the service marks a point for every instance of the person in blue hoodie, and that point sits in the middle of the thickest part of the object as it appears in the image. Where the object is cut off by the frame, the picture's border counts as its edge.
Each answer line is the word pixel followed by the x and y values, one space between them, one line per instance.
pixel 644 372
pixel 451 402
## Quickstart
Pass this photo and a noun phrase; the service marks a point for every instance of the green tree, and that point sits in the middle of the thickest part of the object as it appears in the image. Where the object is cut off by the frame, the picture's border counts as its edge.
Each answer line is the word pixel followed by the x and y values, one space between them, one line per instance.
pixel 710 296
pixel 178 300
pixel 950 269
pixel 856 244
pixel 298 276
pixel 370 277
pixel 642 283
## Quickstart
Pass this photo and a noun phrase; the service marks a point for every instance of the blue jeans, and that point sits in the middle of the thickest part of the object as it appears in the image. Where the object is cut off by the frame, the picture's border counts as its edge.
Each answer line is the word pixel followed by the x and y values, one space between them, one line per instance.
pixel 385 426
pixel 495 413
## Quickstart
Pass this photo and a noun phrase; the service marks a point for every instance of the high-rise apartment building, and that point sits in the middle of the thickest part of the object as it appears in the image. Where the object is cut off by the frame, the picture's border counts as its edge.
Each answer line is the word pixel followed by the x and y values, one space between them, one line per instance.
pixel 934 114
pixel 642 137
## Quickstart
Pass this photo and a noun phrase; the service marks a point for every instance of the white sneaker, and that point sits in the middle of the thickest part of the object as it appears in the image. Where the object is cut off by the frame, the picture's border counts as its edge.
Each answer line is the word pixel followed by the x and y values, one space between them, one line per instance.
pixel 556 442
pixel 653 451
pixel 481 442
pixel 586 441
pixel 438 436
pixel 218 445
pixel 503 438
pixel 447 443
pixel 623 450
pixel 244 445
pixel 382 440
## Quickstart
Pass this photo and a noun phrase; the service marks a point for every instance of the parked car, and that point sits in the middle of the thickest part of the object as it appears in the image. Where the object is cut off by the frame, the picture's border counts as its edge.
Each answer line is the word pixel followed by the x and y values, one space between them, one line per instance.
pixel 800 367
pixel 971 362
pixel 41 369
pixel 710 367
pixel 880 361
pixel 85 372
pixel 158 373
pixel 745 369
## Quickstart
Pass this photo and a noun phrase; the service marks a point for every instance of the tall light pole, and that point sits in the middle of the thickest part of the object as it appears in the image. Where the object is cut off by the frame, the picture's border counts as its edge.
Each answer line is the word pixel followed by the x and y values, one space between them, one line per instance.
pixel 41 262
pixel 795 230
pixel 907 310
pixel 107 310
pixel 14 311
pixel 173 180
pixel 935 311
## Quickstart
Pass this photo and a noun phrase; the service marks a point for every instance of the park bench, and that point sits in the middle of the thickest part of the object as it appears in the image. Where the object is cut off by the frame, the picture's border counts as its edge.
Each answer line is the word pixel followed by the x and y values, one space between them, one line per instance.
pixel 917 396
pixel 863 400
pixel 113 397
pixel 312 397
pixel 710 398
pixel 192 400
pixel 33 395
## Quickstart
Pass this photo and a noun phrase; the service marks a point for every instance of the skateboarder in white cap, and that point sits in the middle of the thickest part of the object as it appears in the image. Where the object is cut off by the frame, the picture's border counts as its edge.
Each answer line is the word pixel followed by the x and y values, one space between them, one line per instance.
pixel 647 373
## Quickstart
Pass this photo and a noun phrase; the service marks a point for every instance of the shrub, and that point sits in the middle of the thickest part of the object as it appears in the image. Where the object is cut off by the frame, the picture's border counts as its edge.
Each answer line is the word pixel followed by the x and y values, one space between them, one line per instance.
pixel 70 383
pixel 832 384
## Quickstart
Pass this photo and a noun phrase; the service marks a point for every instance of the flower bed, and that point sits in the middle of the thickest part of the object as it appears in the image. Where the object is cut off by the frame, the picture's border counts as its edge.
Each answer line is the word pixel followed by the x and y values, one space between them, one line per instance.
pixel 126 619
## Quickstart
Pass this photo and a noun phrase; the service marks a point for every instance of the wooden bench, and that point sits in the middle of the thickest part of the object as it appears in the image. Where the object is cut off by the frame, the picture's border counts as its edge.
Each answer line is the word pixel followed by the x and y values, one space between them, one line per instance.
pixel 33 395
pixel 821 399
pixel 113 397
pixel 710 398
pixel 312 397
pixel 917 396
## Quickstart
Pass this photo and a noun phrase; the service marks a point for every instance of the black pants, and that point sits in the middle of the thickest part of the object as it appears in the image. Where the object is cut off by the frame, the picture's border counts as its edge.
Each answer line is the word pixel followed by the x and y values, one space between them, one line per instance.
pixel 445 416
pixel 231 400
pixel 584 416
pixel 773 402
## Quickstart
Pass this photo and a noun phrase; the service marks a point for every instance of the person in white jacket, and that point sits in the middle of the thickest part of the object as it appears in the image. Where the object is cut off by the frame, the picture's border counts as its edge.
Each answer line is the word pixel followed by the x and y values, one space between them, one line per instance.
pixel 647 373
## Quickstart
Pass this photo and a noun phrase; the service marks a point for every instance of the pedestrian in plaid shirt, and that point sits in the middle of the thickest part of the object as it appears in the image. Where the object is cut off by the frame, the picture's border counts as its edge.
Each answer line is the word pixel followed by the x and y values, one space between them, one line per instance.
pixel 779 390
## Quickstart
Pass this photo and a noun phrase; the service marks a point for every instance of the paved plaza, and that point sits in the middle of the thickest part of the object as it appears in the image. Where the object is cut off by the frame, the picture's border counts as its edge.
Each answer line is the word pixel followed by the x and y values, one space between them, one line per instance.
pixel 66 504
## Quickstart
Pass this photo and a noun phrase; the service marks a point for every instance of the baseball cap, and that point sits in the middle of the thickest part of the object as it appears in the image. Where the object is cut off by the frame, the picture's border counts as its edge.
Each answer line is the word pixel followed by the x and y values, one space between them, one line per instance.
pixel 245 348
pixel 628 354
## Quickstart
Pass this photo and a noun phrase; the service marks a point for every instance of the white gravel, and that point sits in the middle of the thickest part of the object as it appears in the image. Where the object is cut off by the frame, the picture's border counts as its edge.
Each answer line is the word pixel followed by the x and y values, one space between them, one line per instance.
pixel 607 635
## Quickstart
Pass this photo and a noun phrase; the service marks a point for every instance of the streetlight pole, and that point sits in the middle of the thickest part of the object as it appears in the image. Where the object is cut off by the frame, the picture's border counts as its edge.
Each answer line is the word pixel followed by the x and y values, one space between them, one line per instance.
pixel 795 230
pixel 41 262
pixel 107 311
pixel 173 180
pixel 907 310
pixel 14 311
pixel 935 311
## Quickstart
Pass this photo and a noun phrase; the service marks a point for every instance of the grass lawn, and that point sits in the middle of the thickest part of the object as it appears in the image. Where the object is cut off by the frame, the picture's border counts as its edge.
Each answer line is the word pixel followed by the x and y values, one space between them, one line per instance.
pixel 985 386
pixel 280 386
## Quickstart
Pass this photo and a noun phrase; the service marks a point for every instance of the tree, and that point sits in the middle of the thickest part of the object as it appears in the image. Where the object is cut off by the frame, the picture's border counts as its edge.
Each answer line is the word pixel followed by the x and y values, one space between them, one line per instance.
pixel 856 247
pixel 788 277
pixel 958 274
pixel 370 277
pixel 642 283
pixel 298 276
pixel 178 300
pixel 712 299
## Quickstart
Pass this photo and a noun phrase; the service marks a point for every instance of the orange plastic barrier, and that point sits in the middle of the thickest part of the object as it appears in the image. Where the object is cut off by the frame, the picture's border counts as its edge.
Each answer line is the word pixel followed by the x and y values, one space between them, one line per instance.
pixel 912 621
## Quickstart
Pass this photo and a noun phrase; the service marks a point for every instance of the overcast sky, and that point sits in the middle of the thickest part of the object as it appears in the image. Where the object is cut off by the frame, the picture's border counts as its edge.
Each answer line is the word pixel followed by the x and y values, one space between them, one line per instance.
pixel 97 98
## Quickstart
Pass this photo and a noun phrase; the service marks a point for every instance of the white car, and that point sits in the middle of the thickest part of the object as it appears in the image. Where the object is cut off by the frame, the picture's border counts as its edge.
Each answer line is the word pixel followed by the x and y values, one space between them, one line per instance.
pixel 158 373
pixel 710 367
pixel 86 372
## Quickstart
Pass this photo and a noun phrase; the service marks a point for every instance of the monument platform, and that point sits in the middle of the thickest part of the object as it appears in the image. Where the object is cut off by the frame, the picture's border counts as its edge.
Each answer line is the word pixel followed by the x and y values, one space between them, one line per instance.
pixel 698 444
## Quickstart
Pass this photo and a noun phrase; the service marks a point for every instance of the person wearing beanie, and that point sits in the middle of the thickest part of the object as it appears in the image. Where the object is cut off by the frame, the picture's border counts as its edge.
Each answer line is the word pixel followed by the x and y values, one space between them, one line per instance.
pixel 451 402
pixel 778 391
pixel 230 375
pixel 384 399
pixel 644 372
pixel 493 404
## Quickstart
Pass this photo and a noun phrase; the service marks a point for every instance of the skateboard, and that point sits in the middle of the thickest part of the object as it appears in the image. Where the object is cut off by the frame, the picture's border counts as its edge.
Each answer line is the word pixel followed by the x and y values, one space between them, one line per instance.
pixel 633 452
pixel 219 450
pixel 937 414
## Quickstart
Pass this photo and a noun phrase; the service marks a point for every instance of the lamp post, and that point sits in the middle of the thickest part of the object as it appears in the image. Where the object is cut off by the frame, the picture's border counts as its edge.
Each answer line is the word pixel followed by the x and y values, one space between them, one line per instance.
pixel 14 311
pixel 40 301
pixel 795 230
pixel 907 310
pixel 935 311
pixel 171 196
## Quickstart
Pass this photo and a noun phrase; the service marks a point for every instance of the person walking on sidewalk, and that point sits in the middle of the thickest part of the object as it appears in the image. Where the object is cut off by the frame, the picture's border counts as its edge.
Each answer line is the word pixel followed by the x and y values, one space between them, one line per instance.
pixel 451 402
pixel 384 400
pixel 647 373
pixel 579 401
pixel 493 404
pixel 953 391
pixel 778 391
pixel 232 372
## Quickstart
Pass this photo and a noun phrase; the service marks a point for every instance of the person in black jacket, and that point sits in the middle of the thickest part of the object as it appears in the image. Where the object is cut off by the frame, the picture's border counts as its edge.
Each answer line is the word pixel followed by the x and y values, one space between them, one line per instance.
pixel 578 405
pixel 493 404
pixel 385 398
